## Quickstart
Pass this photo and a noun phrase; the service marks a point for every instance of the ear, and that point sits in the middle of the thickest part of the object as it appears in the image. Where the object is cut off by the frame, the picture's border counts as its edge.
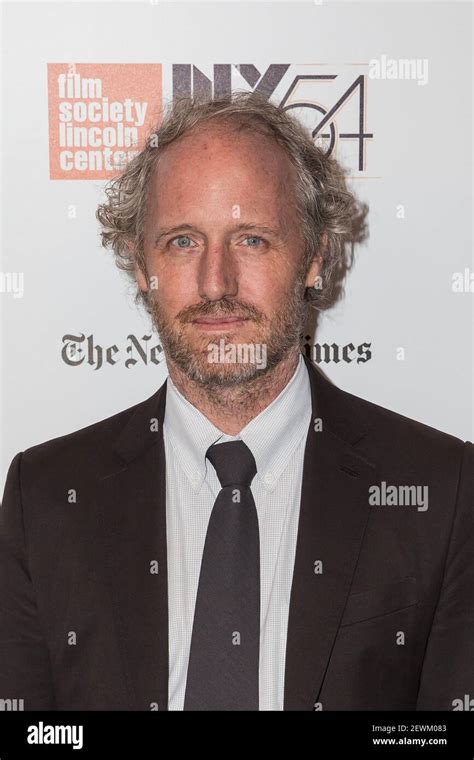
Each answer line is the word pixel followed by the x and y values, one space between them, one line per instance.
pixel 317 263
pixel 141 279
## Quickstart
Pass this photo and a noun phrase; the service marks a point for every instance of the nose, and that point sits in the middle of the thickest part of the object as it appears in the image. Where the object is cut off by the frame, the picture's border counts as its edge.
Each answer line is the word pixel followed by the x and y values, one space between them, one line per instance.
pixel 218 273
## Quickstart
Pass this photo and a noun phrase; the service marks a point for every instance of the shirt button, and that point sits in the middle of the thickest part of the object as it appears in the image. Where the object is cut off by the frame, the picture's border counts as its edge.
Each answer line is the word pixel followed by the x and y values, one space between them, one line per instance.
pixel 269 478
pixel 195 478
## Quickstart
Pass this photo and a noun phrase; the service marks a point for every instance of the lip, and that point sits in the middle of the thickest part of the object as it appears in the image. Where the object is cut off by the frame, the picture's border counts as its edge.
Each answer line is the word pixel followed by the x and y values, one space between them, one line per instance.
pixel 215 324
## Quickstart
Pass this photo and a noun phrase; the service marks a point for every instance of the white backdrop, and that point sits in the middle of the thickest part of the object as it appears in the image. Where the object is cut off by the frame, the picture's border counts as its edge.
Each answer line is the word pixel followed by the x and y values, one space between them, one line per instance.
pixel 416 178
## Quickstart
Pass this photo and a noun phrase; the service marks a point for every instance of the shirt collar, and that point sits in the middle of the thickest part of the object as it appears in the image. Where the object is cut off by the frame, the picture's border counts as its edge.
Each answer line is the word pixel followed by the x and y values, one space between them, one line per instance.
pixel 271 436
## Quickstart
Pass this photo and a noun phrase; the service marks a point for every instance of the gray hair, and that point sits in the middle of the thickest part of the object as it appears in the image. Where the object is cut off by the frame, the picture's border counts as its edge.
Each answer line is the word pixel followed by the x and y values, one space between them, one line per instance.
pixel 323 202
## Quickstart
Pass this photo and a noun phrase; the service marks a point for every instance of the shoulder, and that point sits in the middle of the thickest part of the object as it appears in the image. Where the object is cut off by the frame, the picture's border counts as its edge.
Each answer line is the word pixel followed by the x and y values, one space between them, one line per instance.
pixel 87 450
pixel 393 439
pixel 385 436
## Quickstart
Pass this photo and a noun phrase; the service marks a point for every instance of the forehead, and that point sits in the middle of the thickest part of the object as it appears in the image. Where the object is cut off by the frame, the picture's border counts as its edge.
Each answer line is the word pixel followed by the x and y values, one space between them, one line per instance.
pixel 219 166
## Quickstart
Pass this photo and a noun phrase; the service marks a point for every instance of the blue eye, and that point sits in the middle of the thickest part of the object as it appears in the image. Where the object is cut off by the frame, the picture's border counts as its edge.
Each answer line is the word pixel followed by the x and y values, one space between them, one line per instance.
pixel 181 238
pixel 254 237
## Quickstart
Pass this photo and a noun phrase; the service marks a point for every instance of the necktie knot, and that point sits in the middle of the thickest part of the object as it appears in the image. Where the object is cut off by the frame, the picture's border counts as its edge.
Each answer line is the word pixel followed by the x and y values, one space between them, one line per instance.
pixel 233 462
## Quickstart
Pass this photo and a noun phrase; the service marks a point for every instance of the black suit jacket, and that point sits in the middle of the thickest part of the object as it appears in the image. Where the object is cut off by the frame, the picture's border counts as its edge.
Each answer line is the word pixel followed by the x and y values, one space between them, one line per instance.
pixel 387 624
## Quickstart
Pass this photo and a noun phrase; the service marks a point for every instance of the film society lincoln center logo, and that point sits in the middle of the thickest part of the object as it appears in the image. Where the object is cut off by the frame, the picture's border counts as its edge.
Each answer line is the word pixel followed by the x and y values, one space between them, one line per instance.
pixel 100 116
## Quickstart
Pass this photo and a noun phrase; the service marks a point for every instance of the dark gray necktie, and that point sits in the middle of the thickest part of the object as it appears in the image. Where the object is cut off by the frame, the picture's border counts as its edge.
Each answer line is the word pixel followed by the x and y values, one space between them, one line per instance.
pixel 224 655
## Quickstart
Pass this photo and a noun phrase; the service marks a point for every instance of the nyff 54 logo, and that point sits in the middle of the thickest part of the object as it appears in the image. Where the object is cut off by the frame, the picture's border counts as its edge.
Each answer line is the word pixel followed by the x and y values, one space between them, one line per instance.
pixel 330 103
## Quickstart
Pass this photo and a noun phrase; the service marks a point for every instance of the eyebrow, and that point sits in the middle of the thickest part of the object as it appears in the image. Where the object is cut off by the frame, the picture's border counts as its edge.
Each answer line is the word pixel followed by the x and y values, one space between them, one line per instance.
pixel 247 226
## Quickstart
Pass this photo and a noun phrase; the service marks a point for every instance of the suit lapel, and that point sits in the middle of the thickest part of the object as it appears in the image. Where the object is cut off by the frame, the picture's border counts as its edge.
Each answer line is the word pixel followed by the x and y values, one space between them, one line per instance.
pixel 132 508
pixel 333 516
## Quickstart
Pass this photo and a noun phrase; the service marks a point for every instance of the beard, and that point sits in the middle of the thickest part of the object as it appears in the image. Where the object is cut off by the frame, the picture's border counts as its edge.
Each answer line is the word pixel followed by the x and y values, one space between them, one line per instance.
pixel 278 333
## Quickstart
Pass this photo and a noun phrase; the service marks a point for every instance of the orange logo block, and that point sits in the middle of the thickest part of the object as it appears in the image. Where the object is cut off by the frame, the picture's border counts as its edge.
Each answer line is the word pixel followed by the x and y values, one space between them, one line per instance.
pixel 100 115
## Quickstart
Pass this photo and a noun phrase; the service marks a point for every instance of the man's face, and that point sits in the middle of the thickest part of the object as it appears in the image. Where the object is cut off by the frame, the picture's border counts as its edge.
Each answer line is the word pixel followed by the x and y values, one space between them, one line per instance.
pixel 222 242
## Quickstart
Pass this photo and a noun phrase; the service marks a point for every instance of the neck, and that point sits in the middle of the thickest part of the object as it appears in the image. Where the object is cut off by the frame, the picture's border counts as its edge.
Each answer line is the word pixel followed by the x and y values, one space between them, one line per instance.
pixel 230 409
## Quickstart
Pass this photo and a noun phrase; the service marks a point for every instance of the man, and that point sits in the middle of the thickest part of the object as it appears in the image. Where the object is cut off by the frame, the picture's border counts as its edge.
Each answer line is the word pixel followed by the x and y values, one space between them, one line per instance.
pixel 250 537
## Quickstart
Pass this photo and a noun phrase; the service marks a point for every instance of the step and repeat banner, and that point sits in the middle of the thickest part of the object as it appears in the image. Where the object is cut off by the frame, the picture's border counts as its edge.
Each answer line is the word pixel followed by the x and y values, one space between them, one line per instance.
pixel 385 87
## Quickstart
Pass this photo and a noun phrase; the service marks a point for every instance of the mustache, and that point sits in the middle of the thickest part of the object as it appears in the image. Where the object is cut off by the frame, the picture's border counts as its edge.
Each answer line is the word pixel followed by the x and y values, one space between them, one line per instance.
pixel 218 310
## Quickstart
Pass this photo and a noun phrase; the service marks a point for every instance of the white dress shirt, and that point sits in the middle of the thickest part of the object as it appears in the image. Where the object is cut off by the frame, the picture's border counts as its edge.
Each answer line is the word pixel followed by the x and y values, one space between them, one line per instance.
pixel 276 438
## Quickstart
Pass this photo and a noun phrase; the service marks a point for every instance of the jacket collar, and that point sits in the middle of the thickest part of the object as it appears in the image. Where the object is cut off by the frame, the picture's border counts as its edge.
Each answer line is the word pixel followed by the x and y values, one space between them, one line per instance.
pixel 340 416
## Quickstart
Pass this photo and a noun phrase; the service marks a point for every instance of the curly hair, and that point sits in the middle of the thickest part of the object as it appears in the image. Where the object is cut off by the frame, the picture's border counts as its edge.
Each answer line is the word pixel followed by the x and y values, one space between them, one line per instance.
pixel 325 206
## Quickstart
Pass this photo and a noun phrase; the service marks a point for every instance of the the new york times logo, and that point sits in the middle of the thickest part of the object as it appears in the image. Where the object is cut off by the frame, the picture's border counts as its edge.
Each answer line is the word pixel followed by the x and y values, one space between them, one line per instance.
pixel 79 350
pixel 334 353
pixel 84 351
